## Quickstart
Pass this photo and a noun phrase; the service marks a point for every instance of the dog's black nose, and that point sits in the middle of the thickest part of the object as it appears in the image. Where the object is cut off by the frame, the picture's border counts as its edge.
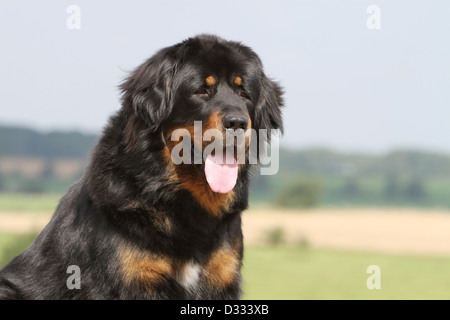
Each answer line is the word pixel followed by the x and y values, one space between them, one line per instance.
pixel 234 121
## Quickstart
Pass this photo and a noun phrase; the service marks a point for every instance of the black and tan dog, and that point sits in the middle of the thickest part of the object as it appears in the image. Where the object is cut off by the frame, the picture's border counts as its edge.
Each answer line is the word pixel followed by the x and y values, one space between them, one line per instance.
pixel 137 225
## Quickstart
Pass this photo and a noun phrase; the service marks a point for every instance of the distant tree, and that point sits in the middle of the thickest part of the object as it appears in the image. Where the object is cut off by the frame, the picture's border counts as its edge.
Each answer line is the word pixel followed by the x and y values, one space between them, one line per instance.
pixel 392 187
pixel 301 193
pixel 415 189
pixel 260 183
pixel 351 187
pixel 31 186
pixel 27 142
pixel 48 169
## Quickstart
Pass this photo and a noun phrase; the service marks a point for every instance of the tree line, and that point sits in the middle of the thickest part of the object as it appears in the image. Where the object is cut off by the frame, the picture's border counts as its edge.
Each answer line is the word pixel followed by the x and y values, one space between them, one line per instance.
pixel 306 177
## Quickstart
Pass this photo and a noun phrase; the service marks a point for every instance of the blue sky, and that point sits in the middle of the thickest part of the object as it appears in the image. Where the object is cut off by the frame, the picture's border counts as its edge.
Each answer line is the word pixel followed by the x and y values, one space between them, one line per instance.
pixel 347 87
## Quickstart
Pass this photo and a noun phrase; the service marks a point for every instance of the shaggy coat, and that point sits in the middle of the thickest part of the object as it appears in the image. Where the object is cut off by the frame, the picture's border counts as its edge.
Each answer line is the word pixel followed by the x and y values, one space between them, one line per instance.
pixel 136 225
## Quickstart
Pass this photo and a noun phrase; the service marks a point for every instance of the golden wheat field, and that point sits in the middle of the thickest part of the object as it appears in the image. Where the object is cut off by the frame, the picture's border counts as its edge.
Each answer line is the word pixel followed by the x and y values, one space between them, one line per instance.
pixel 410 231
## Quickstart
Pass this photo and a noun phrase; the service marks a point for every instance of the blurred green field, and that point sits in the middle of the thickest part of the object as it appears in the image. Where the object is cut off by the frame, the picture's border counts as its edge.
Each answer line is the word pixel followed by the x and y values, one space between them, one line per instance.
pixel 12 244
pixel 296 273
pixel 28 202
pixel 292 273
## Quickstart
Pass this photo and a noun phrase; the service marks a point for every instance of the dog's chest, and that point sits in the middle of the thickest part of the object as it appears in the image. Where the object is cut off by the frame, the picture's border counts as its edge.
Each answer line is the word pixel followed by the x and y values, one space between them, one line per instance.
pixel 219 271
pixel 189 275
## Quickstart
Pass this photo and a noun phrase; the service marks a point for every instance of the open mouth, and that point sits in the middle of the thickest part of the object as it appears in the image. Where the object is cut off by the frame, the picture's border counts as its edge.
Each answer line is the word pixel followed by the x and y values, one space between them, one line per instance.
pixel 216 158
pixel 220 169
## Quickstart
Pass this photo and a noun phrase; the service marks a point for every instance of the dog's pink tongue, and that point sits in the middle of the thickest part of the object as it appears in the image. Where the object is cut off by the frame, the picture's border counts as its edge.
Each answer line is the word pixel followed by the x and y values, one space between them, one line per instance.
pixel 221 174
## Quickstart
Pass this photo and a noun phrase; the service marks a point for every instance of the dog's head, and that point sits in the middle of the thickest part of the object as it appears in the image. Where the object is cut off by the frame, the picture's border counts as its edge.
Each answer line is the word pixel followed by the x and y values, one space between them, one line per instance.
pixel 202 84
pixel 200 76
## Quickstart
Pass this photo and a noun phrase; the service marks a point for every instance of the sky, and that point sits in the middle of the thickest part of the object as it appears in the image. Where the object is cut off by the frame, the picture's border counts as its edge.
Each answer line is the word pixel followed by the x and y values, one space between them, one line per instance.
pixel 354 79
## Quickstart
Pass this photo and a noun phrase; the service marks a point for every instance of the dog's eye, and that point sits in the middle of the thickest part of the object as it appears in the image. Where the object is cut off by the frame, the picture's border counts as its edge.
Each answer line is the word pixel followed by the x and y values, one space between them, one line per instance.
pixel 203 93
pixel 243 94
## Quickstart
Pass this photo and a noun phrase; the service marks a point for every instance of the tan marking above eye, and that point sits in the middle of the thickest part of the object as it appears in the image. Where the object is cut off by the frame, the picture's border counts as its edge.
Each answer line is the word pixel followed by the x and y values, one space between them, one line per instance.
pixel 210 81
pixel 238 81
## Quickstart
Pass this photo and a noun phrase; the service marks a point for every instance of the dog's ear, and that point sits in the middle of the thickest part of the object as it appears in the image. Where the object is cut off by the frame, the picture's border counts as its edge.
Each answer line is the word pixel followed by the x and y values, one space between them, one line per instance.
pixel 268 109
pixel 147 90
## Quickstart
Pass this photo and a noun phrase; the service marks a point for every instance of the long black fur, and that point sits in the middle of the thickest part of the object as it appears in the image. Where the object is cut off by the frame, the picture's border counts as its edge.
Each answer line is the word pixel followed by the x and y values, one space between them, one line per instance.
pixel 127 191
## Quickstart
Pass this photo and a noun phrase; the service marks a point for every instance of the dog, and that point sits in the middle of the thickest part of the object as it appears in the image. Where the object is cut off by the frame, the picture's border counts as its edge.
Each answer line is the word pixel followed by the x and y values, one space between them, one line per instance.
pixel 139 226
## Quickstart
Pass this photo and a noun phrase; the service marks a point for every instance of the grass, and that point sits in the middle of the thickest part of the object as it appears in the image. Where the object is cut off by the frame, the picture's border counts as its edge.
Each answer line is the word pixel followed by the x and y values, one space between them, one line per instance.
pixel 12 244
pixel 282 272
pixel 28 202
pixel 295 273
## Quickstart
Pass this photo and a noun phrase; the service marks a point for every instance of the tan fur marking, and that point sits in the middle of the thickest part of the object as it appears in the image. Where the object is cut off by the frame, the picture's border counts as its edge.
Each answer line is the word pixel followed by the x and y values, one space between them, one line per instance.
pixel 190 179
pixel 222 268
pixel 238 81
pixel 212 202
pixel 145 268
pixel 248 133
pixel 161 222
pixel 214 122
pixel 211 81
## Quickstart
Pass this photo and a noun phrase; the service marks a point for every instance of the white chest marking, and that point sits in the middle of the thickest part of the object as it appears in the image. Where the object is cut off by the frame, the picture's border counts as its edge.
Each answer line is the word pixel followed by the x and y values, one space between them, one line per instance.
pixel 190 275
